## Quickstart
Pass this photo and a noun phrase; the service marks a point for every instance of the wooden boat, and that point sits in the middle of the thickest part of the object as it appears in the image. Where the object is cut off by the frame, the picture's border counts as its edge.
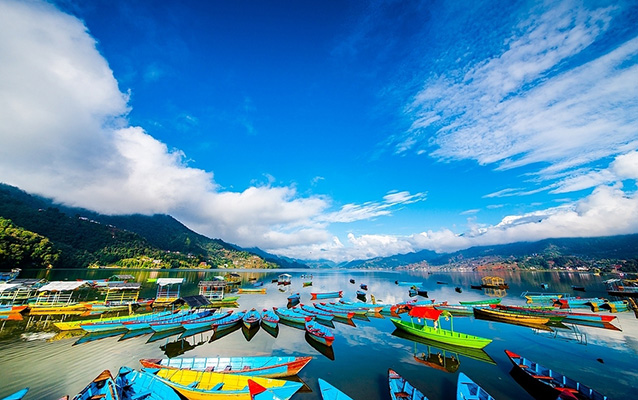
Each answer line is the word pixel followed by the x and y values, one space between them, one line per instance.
pixel 176 323
pixel 11 275
pixel 615 306
pixel 110 323
pixel 336 312
pixel 478 287
pixel 207 322
pixel 325 295
pixel 541 297
pixel 342 307
pixel 435 332
pixel 456 309
pixel 363 286
pixel 481 302
pixel 294 297
pixel 258 392
pixel 269 318
pixel 284 279
pixel 404 283
pixel 495 282
pixel 251 319
pixel 197 385
pixel 352 281
pixel 17 395
pixel 361 293
pixel 578 288
pixel 622 287
pixel 466 389
pixel 291 316
pixel 552 381
pixel 103 387
pixel 411 292
pixel 323 316
pixel 228 322
pixel 568 316
pixel 132 384
pixel 501 315
pixel 263 366
pixel 12 309
pixel 553 317
pixel 576 302
pixel 319 333
pixel 306 284
pixel 252 290
pixel 458 289
pixel 401 389
pixel 329 392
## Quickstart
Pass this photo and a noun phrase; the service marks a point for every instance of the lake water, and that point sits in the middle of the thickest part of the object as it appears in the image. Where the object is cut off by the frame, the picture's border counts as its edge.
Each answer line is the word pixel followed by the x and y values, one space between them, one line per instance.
pixel 603 359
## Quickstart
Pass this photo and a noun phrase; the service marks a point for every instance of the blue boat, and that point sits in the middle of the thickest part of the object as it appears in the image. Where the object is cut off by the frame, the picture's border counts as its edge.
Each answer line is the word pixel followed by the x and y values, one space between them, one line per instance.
pixel 329 392
pixel 206 322
pixel 293 297
pixel 176 323
pixel 251 319
pixel 323 316
pixel 258 392
pixel 363 286
pixel 229 321
pixel 466 389
pixel 132 384
pixel 109 325
pixel 17 395
pixel 269 318
pixel 361 293
pixel 402 283
pixel 319 333
pixel 103 388
pixel 291 316
pixel 401 389
pixel 325 295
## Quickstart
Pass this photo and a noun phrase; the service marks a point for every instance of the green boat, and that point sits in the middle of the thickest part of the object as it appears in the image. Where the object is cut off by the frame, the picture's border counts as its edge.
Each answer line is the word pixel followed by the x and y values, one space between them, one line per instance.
pixel 435 332
pixel 479 302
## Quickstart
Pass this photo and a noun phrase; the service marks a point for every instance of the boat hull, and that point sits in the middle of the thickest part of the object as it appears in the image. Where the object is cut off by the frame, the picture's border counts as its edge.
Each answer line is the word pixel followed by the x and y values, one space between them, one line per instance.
pixel 441 335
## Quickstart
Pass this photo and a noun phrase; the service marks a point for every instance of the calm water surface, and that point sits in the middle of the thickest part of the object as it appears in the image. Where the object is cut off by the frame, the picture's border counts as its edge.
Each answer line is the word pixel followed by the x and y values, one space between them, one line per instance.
pixel 53 365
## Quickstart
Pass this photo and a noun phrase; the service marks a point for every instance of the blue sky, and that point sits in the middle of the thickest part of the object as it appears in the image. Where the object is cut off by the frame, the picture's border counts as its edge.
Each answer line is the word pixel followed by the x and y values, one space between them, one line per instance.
pixel 336 130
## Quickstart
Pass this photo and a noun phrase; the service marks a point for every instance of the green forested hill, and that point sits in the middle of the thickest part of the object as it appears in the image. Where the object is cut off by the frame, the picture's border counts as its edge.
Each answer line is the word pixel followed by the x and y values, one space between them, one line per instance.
pixel 81 238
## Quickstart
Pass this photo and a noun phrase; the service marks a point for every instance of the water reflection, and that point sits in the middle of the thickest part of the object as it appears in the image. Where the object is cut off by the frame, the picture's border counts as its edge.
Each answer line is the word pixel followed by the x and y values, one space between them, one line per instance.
pixel 249 333
pixel 224 332
pixel 90 337
pixel 475 354
pixel 274 332
pixel 180 346
pixel 327 351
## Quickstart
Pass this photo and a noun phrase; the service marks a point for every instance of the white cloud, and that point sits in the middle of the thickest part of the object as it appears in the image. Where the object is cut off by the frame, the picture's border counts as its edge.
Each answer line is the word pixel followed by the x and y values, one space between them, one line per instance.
pixel 357 212
pixel 523 107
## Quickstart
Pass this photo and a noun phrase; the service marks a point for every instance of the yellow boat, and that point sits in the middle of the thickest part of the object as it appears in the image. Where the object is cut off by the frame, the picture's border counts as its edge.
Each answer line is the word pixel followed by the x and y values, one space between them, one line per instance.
pixel 510 317
pixel 198 385
pixel 58 309
pixel 251 290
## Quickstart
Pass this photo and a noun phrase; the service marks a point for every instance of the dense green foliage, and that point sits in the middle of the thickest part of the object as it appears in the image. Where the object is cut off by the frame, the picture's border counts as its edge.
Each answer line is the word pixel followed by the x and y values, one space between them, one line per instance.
pixel 24 249
pixel 81 238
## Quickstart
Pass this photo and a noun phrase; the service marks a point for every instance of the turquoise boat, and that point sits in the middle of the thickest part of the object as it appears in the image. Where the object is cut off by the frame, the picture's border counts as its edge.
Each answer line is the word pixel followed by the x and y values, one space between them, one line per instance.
pixel 319 333
pixel 402 283
pixel 251 319
pixel 435 332
pixel 323 316
pixel 262 366
pixel 481 302
pixel 109 324
pixel 206 322
pixel 269 318
pixel 325 295
pixel 132 384
pixel 103 387
pixel 291 316
pixel 17 395
pixel 329 392
pixel 228 322
pixel 176 323
pixel 466 389
pixel 401 389
pixel 336 313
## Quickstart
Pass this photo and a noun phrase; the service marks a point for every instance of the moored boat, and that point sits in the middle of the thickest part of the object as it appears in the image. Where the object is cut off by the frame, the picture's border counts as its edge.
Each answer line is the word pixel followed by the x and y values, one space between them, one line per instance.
pixel 264 366
pixel 207 322
pixel 291 316
pixel 17 395
pixel 467 389
pixel 103 387
pixel 110 323
pixel 132 384
pixel 329 392
pixel 404 283
pixel 336 312
pixel 401 389
pixel 318 315
pixel 197 385
pixel 501 315
pixel 319 333
pixel 552 381
pixel 228 322
pixel 326 295
pixel 252 290
pixel 481 302
pixel 251 319
pixel 435 332
pixel 269 318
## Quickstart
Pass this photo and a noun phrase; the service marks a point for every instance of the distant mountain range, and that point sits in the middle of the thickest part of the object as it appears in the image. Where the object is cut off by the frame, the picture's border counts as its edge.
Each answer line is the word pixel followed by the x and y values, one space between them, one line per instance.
pixel 36 232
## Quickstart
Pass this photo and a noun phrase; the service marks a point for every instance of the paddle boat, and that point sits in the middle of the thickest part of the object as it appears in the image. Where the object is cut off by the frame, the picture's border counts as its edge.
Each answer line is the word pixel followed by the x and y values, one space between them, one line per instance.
pixel 207 322
pixel 103 387
pixel 197 385
pixel 251 319
pixel 552 382
pixel 132 384
pixel 319 333
pixel 263 366
pixel 435 332
pixel 329 392
pixel 326 295
pixel 401 389
pixel 466 389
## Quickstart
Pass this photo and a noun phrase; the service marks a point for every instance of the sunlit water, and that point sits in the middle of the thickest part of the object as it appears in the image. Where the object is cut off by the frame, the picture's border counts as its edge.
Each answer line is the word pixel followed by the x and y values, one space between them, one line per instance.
pixel 361 355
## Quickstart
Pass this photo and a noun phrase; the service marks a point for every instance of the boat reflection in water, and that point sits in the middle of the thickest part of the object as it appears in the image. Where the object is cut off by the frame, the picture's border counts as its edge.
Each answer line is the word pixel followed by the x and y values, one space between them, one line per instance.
pixel 224 332
pixel 179 347
pixel 327 351
pixel 274 332
pixel 249 333
pixel 540 327
pixel 473 353
pixel 91 337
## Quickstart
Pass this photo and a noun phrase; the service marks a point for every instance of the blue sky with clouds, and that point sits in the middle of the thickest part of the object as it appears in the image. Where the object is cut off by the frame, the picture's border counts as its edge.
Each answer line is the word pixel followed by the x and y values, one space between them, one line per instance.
pixel 337 130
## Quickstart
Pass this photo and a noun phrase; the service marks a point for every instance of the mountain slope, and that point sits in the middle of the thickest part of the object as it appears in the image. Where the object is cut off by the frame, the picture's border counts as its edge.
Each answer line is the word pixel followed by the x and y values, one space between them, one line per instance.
pixel 82 237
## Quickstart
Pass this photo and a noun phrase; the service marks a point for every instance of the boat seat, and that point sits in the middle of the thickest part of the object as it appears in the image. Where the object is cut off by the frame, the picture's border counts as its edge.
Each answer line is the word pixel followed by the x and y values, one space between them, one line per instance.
pixel 228 368
pixel 523 366
pixel 209 369
pixel 246 368
pixel 193 384
pixel 402 395
pixel 217 386
pixel 549 378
